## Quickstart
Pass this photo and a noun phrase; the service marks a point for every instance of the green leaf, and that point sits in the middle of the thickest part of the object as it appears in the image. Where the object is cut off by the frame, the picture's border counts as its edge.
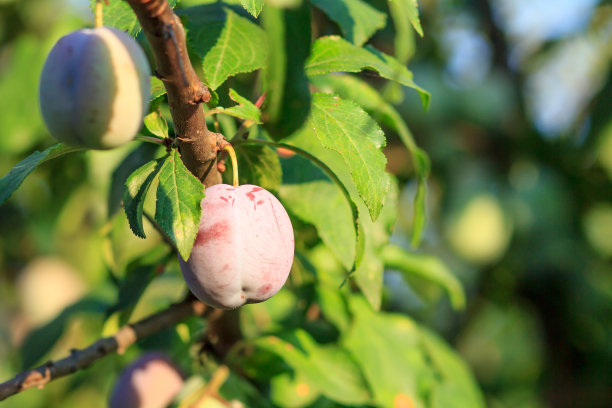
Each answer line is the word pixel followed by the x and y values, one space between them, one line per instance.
pixel 350 87
pixel 356 18
pixel 178 210
pixel 375 235
pixel 307 193
pixel 156 124
pixel 410 8
pixel 333 54
pixel 135 191
pixel 457 387
pixel 344 128
pixel 228 44
pixel 259 165
pixel 254 7
pixel 143 153
pixel 369 275
pixel 14 178
pixel 293 390
pixel 157 88
pixel 388 350
pixel 118 14
pixel 285 82
pixel 245 109
pixel 404 39
pixel 330 368
pixel 426 267
pixel 139 274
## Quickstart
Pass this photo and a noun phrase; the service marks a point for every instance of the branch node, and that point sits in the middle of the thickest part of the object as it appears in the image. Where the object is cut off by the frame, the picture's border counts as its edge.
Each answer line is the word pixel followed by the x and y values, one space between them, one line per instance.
pixel 201 94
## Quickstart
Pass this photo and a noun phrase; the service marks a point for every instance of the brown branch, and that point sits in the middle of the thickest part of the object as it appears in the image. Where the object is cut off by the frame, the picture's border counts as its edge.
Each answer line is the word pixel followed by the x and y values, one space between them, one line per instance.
pixel 165 33
pixel 80 359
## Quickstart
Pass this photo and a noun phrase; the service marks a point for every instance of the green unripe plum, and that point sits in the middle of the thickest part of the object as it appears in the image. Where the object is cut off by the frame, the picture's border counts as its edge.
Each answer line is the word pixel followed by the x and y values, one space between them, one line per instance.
pixel 152 381
pixel 94 88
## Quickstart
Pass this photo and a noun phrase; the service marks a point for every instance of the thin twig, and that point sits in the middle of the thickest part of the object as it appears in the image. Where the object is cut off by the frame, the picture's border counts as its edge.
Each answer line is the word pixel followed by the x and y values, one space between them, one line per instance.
pixel 81 359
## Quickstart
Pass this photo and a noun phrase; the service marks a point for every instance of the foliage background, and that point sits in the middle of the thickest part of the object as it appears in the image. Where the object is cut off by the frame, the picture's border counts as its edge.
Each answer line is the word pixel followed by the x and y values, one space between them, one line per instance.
pixel 520 139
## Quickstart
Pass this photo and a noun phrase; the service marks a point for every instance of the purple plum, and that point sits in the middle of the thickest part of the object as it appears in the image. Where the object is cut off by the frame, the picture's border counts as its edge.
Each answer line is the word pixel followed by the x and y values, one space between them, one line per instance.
pixel 152 381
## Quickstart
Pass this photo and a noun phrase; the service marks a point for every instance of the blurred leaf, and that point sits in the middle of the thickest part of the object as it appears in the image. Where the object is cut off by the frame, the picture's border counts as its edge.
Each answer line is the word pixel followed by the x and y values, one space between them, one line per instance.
pixel 404 43
pixel 178 210
pixel 259 165
pixel 253 6
pixel 333 306
pixel 375 235
pixel 332 54
pixel 42 339
pixel 139 273
pixel 307 193
pixel 407 9
pixel 118 14
pixel 329 368
pixel 135 191
pixel 285 83
pixel 14 178
pixel 356 18
pixel 157 88
pixel 293 390
pixel 245 109
pixel 156 124
pixel 350 87
pixel 457 387
pixel 228 44
pixel 342 127
pixel 387 349
pixel 143 153
pixel 369 275
pixel 426 267
pixel 22 62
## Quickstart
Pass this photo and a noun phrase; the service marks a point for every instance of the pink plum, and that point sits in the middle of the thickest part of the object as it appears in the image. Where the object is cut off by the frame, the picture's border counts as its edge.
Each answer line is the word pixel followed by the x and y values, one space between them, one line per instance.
pixel 152 381
pixel 244 248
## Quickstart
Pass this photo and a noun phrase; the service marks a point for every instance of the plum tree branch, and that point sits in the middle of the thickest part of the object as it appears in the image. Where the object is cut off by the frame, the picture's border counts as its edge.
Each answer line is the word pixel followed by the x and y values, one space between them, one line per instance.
pixel 80 359
pixel 165 33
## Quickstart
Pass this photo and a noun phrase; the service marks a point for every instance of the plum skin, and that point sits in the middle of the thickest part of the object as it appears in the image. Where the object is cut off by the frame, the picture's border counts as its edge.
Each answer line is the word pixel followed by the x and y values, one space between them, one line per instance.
pixel 94 88
pixel 152 381
pixel 244 248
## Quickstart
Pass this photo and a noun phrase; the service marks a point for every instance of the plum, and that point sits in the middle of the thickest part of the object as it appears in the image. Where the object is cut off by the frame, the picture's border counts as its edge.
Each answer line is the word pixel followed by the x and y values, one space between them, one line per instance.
pixel 243 251
pixel 152 381
pixel 94 88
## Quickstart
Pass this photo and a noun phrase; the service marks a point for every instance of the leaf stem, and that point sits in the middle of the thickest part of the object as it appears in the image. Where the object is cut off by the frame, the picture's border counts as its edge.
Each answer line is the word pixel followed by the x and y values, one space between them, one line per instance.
pixel 232 154
pixel 150 139
pixel 99 21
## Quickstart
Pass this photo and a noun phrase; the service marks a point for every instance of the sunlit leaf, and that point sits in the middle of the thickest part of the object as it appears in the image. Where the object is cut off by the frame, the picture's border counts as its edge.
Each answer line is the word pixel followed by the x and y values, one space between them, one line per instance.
pixel 334 54
pixel 178 210
pixel 357 19
pixel 227 43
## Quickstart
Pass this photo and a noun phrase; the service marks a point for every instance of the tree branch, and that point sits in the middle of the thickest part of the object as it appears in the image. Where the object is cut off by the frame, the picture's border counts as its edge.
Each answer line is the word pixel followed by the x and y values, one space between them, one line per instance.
pixel 80 359
pixel 165 33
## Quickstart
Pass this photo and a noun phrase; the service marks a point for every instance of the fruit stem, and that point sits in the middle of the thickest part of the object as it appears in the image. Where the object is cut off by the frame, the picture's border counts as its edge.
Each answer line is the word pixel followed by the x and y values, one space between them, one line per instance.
pixel 98 14
pixel 232 154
